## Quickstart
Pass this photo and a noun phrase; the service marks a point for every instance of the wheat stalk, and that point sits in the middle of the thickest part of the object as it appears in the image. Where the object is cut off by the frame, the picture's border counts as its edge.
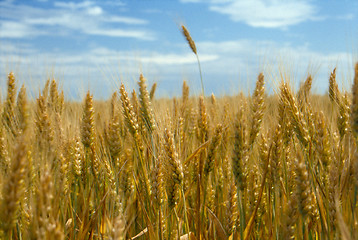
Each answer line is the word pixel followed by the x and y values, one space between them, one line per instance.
pixel 146 109
pixel 87 127
pixel 354 114
pixel 258 107
pixel 13 188
pixel 193 48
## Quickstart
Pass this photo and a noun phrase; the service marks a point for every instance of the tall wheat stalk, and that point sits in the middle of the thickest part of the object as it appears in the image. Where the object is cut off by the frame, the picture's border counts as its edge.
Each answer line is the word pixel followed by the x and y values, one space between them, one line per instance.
pixel 193 48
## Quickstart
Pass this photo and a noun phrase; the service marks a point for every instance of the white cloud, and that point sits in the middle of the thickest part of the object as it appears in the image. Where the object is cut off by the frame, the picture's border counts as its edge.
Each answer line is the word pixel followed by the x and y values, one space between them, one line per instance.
pixel 74 5
pixel 348 16
pixel 244 59
pixel 85 17
pixel 10 29
pixel 120 33
pixel 10 48
pixel 116 3
pixel 175 59
pixel 148 57
pixel 51 21
pixel 127 20
pixel 93 62
pixel 223 64
pixel 264 13
pixel 95 11
pixel 90 7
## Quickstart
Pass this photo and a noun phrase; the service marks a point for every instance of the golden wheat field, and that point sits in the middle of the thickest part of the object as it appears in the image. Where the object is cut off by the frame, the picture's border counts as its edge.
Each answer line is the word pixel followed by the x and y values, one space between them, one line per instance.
pixel 282 166
pixel 135 167
pixel 275 162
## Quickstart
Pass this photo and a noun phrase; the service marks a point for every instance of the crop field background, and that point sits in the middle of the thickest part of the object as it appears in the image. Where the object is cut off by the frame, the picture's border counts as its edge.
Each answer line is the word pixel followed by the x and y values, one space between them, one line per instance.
pixel 115 124
pixel 135 167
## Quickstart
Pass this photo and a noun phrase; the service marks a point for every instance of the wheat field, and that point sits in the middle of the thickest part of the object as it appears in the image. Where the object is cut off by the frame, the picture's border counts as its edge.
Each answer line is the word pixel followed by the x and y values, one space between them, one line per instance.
pixel 282 166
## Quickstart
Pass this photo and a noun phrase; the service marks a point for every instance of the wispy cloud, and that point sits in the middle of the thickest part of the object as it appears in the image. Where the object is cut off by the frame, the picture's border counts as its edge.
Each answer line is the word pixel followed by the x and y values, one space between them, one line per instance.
pixel 245 58
pixel 126 20
pixel 176 59
pixel 228 61
pixel 75 5
pixel 120 33
pixel 95 64
pixel 11 29
pixel 264 13
pixel 86 17
pixel 348 16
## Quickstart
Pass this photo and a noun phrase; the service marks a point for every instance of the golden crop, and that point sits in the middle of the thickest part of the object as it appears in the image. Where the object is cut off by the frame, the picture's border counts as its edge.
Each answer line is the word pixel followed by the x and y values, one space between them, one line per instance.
pixel 283 166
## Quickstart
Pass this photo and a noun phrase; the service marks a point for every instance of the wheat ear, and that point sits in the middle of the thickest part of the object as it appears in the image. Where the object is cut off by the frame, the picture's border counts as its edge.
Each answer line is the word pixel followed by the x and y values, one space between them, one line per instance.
pixel 304 91
pixel 152 91
pixel 193 48
pixel 354 114
pixel 333 91
pixel 9 108
pixel 145 105
pixel 44 129
pixel 343 122
pixel 87 126
pixel 215 141
pixel 22 110
pixel 13 188
pixel 258 107
pixel 299 123
pixel 354 120
pixel 175 173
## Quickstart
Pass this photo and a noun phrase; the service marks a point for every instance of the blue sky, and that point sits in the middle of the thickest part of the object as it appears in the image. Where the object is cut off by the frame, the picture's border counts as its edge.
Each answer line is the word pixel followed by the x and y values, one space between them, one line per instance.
pixel 97 44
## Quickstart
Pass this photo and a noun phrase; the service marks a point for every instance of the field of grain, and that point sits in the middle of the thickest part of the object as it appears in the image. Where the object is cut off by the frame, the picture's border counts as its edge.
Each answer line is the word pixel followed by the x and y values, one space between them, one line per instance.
pixel 135 167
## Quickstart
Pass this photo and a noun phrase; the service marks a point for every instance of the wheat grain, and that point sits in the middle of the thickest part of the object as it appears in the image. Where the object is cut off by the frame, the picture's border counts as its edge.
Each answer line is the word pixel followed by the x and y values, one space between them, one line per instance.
pixel 146 109
pixel 13 188
pixel 87 126
pixel 258 107
pixel 188 39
